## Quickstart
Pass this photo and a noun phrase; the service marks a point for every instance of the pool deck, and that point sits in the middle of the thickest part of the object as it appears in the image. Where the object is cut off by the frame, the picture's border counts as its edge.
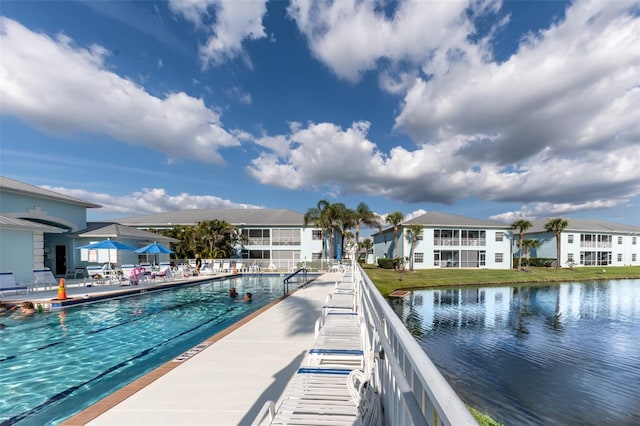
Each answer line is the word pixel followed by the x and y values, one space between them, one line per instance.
pixel 224 381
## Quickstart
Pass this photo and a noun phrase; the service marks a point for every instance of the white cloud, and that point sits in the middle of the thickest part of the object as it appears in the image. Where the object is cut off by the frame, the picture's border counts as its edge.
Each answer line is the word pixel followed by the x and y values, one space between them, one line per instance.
pixel 61 88
pixel 351 36
pixel 234 22
pixel 148 201
pixel 555 126
pixel 325 155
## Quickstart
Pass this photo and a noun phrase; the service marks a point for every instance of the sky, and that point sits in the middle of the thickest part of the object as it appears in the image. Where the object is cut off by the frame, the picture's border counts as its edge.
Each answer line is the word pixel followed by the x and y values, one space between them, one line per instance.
pixel 495 110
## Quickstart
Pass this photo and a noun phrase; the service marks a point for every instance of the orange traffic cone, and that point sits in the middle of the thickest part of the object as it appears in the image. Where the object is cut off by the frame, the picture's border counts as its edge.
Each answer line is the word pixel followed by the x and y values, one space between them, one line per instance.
pixel 62 292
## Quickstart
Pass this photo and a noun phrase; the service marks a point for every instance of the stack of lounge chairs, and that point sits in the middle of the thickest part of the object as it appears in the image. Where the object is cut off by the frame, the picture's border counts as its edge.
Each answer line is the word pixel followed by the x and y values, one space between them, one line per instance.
pixel 337 385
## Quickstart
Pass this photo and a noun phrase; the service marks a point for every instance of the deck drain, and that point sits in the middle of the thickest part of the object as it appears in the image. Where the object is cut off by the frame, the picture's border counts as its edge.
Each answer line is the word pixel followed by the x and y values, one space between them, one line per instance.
pixel 191 352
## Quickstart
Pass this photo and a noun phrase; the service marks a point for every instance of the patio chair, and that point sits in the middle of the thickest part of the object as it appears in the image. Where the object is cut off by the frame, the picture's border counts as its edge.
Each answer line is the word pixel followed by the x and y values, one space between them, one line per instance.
pixel 226 266
pixel 314 396
pixel 164 272
pixel 338 341
pixel 95 275
pixel 44 278
pixel 8 284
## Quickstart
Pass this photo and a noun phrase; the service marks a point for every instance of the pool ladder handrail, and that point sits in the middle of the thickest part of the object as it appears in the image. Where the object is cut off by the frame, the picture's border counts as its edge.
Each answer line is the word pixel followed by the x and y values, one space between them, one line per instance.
pixel 286 280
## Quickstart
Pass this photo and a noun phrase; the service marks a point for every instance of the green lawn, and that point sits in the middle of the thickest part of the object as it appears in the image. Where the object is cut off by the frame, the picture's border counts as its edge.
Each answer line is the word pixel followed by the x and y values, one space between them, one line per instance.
pixel 388 280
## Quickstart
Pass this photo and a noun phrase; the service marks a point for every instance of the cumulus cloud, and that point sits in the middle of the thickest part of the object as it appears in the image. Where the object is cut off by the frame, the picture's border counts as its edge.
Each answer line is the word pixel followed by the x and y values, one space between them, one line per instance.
pixel 555 126
pixel 233 22
pixel 351 36
pixel 65 89
pixel 148 201
pixel 325 155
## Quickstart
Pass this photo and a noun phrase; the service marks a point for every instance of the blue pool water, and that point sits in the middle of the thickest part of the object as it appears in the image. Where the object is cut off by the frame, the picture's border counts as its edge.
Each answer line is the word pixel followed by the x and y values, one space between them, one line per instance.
pixel 561 354
pixel 55 364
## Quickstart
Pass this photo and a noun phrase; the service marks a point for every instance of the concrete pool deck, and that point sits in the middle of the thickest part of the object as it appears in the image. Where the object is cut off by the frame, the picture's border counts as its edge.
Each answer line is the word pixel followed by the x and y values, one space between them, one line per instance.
pixel 227 379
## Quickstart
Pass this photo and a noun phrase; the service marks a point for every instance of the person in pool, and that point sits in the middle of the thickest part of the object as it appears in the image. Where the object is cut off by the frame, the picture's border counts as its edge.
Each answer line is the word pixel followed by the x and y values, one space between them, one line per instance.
pixel 247 297
pixel 233 293
pixel 28 308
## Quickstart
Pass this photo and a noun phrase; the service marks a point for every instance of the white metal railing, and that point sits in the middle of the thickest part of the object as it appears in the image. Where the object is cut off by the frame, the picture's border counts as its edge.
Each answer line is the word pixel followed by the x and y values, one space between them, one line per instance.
pixel 412 389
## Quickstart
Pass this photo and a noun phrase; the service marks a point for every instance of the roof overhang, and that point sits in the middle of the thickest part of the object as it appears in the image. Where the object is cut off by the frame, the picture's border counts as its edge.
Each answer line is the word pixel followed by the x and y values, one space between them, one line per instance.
pixel 27 225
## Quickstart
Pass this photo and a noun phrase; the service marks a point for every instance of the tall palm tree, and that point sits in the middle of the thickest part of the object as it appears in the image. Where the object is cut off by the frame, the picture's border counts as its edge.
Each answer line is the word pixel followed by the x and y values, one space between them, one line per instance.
pixel 522 225
pixel 318 217
pixel 344 219
pixel 528 245
pixel 414 233
pixel 394 219
pixel 364 215
pixel 367 245
pixel 557 226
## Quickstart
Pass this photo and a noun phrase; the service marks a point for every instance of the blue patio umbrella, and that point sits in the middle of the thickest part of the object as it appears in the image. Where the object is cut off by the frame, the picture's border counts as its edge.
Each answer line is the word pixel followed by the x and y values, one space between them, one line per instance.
pixel 107 244
pixel 153 248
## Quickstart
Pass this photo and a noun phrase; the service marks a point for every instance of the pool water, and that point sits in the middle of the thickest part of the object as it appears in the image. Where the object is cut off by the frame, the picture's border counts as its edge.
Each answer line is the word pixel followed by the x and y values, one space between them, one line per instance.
pixel 55 364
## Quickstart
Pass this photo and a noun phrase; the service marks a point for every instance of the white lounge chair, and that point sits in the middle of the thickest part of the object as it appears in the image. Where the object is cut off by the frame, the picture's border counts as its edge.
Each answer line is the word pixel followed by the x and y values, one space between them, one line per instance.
pixel 338 342
pixel 315 396
pixel 44 278
pixel 8 284
pixel 226 266
pixel 164 272
pixel 95 275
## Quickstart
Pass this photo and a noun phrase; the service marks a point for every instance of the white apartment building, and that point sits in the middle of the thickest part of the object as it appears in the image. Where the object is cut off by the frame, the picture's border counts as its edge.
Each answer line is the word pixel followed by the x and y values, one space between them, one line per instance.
pixel 449 241
pixel 587 242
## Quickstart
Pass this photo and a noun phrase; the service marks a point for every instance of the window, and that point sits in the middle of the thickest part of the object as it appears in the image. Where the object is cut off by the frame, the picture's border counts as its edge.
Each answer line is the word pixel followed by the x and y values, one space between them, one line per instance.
pixel 285 237
pixel 499 256
pixel 316 256
pixel 256 237
pixel 570 257
pixel 499 237
pixel 619 257
pixel 633 240
pixel 316 234
pixel 619 239
pixel 633 257
pixel 418 257
pixel 570 238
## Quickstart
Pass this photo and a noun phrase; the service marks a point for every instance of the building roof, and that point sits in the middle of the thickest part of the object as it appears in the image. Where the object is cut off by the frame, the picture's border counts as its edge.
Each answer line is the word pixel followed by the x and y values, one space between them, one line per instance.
pixel 436 219
pixel 446 219
pixel 27 225
pixel 115 230
pixel 245 217
pixel 10 185
pixel 585 225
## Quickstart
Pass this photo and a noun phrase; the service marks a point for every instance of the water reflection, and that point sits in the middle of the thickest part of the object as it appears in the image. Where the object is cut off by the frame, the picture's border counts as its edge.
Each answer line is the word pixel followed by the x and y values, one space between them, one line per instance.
pixel 559 354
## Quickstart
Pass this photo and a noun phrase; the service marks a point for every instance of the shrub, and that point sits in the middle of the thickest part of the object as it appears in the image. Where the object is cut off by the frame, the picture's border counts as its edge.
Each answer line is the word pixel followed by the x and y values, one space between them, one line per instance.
pixel 386 263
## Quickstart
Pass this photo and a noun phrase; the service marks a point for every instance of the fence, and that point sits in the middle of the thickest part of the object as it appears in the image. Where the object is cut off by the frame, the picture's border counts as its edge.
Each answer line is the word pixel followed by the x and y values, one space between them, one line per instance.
pixel 412 389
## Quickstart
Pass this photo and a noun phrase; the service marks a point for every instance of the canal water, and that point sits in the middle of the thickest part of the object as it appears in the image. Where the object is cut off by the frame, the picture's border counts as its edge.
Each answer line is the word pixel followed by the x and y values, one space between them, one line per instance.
pixel 563 354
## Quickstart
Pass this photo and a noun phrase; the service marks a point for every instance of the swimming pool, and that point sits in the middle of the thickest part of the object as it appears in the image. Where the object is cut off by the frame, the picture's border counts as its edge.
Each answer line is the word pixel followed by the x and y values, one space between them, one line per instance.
pixel 55 364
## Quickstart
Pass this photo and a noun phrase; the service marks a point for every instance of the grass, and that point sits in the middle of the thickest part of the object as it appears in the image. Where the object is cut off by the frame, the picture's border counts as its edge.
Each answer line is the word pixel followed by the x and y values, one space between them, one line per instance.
pixel 388 280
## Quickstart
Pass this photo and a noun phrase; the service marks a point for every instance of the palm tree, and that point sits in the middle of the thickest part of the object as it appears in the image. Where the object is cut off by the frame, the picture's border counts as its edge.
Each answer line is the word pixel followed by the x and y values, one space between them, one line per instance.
pixel 218 236
pixel 557 226
pixel 318 217
pixel 528 245
pixel 414 233
pixel 344 219
pixel 364 215
pixel 522 225
pixel 367 245
pixel 394 219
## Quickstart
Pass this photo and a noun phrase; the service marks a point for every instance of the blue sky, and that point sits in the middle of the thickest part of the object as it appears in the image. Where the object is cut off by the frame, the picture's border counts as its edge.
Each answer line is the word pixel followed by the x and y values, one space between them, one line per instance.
pixel 489 109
